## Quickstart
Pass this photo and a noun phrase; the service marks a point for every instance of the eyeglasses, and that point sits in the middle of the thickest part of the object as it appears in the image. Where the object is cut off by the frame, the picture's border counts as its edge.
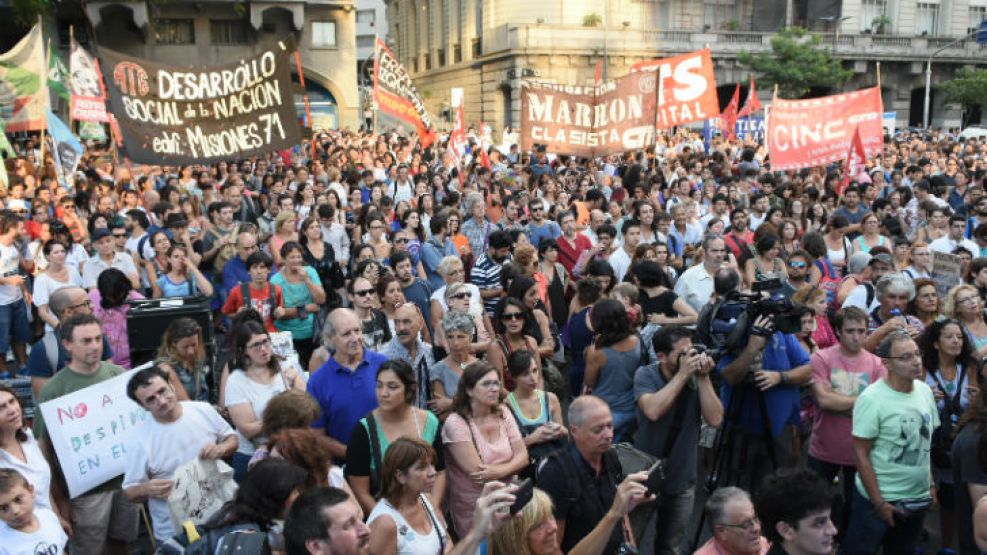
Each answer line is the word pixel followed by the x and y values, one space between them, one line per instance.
pixel 376 227
pixel 490 384
pixel 258 344
pixel 363 292
pixel 747 525
pixel 401 240
pixel 797 264
pixel 119 235
pixel 965 300
pixel 512 316
pixel 86 303
pixel 460 296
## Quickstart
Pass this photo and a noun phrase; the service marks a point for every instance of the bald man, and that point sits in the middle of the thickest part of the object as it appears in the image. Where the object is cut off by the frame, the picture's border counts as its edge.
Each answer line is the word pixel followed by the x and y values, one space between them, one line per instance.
pixel 345 385
pixel 408 346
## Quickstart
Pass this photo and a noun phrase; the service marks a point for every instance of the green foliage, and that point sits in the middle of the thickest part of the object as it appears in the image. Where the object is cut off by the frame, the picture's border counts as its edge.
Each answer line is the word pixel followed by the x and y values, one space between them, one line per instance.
pixel 592 20
pixel 26 12
pixel 732 25
pixel 968 88
pixel 797 62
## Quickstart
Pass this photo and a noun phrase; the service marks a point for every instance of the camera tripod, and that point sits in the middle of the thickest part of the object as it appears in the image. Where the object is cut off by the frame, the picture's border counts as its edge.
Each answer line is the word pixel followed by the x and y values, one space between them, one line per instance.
pixel 723 473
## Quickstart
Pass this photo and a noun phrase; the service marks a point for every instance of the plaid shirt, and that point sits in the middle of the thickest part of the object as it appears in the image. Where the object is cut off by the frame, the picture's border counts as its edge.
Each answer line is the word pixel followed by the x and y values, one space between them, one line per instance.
pixel 477 234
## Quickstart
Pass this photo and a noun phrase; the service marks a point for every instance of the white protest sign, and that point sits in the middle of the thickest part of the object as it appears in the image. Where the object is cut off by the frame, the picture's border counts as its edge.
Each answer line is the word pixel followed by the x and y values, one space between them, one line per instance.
pixel 91 431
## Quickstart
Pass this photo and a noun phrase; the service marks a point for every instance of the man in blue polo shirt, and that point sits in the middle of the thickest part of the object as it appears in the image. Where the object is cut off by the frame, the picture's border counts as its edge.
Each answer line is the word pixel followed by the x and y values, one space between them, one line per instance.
pixel 760 382
pixel 345 385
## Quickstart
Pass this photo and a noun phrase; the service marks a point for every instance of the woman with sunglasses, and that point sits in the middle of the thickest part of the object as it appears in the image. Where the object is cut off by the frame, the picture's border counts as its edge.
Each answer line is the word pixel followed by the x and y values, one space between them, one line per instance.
pixel 459 298
pixel 257 376
pixel 511 320
pixel 963 303
pixel 375 328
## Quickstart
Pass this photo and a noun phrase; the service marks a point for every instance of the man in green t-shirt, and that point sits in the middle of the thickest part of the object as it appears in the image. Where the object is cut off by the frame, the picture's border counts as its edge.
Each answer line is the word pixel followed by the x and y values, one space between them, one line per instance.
pixel 893 421
pixel 102 519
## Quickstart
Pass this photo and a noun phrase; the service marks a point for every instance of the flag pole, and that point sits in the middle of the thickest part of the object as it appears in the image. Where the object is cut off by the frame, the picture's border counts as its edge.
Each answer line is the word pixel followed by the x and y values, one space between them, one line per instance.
pixel 878 75
pixel 44 115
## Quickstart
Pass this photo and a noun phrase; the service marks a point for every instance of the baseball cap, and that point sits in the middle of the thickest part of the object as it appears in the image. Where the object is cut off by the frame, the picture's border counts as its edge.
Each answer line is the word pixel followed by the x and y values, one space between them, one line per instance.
pixel 100 233
pixel 882 257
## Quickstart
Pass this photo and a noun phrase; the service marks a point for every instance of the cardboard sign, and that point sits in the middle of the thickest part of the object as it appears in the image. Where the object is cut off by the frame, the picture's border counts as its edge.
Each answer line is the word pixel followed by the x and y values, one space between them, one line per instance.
pixel 91 431
pixel 688 88
pixel 818 131
pixel 200 488
pixel 617 116
pixel 178 115
pixel 946 272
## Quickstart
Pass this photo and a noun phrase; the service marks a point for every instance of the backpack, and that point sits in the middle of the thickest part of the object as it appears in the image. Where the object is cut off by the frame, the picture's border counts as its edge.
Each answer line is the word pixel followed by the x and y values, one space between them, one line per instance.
pixel 829 283
pixel 50 342
pixel 271 299
pixel 196 540
pixel 739 248
pixel 225 253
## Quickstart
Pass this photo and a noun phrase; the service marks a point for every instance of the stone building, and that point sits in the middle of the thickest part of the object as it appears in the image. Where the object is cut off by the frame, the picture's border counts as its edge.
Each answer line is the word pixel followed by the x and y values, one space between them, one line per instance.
pixel 487 46
pixel 206 32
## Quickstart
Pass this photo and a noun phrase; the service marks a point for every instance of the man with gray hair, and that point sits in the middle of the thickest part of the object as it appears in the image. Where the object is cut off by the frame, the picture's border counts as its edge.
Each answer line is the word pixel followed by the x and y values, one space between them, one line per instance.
pixel 736 528
pixel 695 285
pixel 408 346
pixel 584 478
pixel 345 386
pixel 894 291
pixel 477 228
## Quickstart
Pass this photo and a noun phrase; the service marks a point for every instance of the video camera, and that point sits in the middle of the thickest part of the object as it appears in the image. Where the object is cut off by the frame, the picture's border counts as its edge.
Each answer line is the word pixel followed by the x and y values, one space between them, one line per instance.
pixel 732 320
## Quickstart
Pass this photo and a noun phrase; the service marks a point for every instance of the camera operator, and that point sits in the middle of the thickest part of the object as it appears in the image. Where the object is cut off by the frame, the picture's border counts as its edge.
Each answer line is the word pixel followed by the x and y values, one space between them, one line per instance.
pixel 763 381
pixel 673 396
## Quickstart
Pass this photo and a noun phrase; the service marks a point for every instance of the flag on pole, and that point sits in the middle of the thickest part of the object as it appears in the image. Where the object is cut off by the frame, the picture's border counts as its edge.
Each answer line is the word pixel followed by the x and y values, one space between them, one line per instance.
pixel 24 84
pixel 396 96
pixel 856 160
pixel 752 104
pixel 728 117
pixel 58 75
pixel 457 139
pixel 88 101
pixel 66 149
pixel 484 157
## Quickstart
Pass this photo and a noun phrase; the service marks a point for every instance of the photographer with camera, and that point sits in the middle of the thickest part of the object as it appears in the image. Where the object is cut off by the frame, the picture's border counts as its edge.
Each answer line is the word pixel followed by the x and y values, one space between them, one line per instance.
pixel 761 391
pixel 673 396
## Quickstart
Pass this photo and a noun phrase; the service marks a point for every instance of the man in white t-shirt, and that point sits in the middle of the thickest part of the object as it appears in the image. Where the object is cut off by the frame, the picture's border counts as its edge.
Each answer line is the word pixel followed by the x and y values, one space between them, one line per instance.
pixel 13 310
pixel 180 432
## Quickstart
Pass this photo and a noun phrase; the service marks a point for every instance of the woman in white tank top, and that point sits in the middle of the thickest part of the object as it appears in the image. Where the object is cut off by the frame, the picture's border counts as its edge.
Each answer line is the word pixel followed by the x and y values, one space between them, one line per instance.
pixel 404 522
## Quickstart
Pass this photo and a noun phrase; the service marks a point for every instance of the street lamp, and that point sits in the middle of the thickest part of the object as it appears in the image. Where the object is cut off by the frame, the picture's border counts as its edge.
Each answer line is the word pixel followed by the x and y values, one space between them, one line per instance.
pixel 928 74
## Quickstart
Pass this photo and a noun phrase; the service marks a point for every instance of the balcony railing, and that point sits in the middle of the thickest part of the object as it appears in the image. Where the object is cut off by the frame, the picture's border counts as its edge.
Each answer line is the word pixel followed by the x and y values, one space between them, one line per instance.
pixel 894 42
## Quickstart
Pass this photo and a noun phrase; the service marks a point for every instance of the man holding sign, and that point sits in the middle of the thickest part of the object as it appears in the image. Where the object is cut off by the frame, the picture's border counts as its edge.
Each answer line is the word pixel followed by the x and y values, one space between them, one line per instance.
pixel 181 431
pixel 103 521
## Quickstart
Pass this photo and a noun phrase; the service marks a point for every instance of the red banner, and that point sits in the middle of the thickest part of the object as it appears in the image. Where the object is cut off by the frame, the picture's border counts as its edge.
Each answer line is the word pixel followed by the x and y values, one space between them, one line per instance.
pixel 728 117
pixel 817 131
pixel 856 160
pixel 688 88
pixel 397 96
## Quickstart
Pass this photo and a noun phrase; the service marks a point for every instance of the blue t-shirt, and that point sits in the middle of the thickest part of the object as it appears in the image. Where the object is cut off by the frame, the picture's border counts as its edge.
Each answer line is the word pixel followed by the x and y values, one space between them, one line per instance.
pixel 345 396
pixel 781 353
pixel 186 288
pixel 547 230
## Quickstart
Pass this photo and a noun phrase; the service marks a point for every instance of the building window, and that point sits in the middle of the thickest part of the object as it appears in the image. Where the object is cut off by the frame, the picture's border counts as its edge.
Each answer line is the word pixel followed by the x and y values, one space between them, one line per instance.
pixel 366 16
pixel 457 53
pixel 365 41
pixel 428 62
pixel 229 31
pixel 927 19
pixel 717 14
pixel 477 48
pixel 442 57
pixel 977 15
pixel 174 31
pixel 869 10
pixel 323 34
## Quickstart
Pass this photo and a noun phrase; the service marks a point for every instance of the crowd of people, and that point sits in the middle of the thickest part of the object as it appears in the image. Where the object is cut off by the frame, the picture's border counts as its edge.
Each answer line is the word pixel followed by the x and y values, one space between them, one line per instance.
pixel 805 363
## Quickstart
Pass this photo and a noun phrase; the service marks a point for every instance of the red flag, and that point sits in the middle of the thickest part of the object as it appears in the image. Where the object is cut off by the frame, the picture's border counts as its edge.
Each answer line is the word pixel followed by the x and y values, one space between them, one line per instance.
pixel 855 164
pixel 457 139
pixel 728 117
pixel 598 77
pixel 484 157
pixel 752 104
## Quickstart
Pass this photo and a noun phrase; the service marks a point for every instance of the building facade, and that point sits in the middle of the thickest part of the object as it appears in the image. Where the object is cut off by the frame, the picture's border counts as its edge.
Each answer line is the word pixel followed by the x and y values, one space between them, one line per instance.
pixel 205 33
pixel 487 46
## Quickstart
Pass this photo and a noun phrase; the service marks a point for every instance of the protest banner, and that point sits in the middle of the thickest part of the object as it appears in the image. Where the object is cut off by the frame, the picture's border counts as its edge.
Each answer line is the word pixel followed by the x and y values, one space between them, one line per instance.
pixel 618 115
pixel 397 98
pixel 176 116
pixel 88 102
pixel 747 128
pixel 688 88
pixel 946 271
pixel 890 120
pixel 91 431
pixel 817 131
pixel 24 84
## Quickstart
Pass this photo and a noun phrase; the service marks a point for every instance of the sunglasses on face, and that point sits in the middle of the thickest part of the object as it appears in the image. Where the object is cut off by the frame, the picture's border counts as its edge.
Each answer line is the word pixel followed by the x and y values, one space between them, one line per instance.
pixel 797 264
pixel 512 316
pixel 460 296
pixel 362 292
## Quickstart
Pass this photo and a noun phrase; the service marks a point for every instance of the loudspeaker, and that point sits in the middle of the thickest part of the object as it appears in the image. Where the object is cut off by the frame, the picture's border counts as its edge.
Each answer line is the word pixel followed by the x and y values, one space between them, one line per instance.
pixel 148 319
